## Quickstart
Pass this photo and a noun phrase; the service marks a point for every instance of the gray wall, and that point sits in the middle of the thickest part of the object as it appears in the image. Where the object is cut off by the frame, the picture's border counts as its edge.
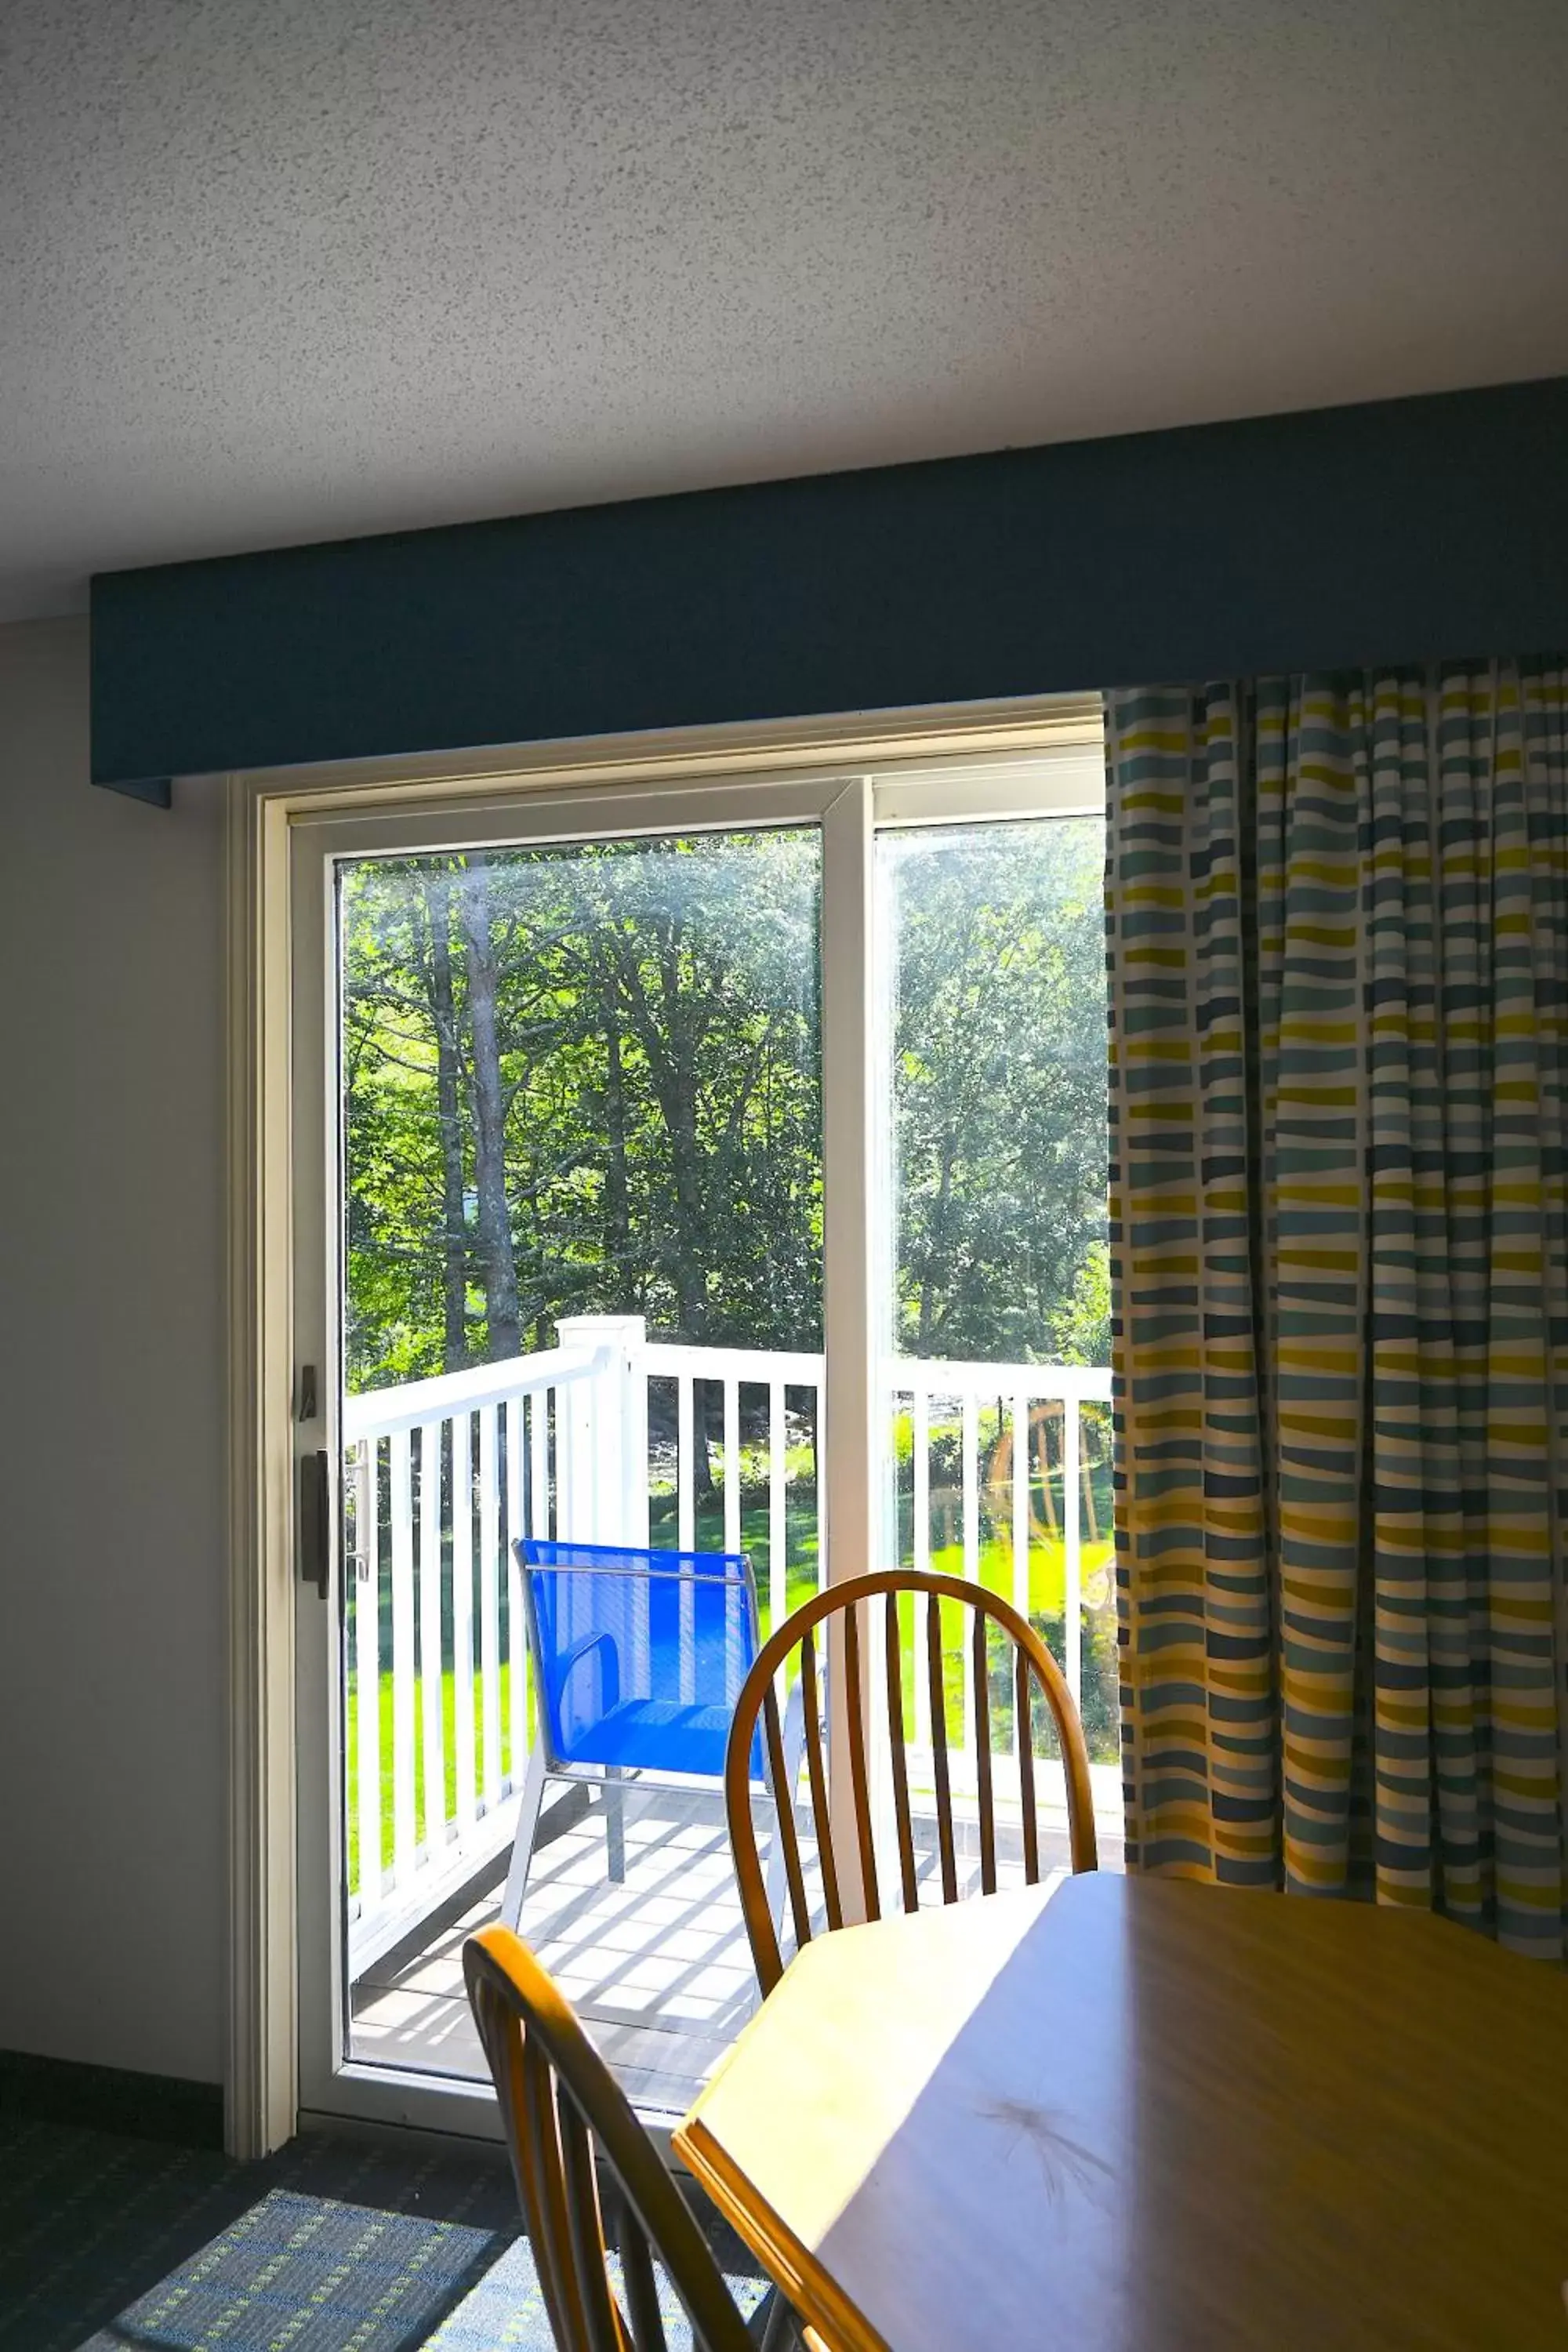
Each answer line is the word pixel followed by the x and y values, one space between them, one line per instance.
pixel 111 1394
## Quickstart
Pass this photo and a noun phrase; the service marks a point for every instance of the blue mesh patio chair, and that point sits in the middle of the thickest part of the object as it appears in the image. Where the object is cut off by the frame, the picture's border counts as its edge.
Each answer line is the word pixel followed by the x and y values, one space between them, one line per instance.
pixel 638 1658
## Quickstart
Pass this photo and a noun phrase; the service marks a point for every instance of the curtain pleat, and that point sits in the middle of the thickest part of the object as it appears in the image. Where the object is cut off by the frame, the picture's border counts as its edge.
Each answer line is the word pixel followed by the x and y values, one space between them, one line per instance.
pixel 1338 949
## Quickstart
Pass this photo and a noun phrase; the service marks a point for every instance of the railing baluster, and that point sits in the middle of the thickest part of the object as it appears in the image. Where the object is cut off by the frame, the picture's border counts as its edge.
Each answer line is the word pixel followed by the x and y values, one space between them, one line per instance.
pixel 463 1616
pixel 817 1457
pixel 430 1664
pixel 920 1448
pixel 367 1683
pixel 969 1447
pixel 1021 1504
pixel 543 1422
pixel 401 1499
pixel 587 1476
pixel 778 1514
pixel 686 1599
pixel 1020 1517
pixel 516 1643
pixel 561 1407
pixel 1073 1610
pixel 685 1466
pixel 490 1601
pixel 539 1464
pixel 732 1465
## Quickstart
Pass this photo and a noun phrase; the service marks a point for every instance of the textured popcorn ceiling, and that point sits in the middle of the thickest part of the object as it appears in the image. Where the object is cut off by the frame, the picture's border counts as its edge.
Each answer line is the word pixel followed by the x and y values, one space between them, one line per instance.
pixel 285 269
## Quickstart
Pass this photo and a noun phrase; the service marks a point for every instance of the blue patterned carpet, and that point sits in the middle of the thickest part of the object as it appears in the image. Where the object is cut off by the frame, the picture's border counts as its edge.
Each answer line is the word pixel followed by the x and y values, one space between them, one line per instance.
pixel 91 2221
pixel 110 2244
pixel 505 2311
pixel 313 2274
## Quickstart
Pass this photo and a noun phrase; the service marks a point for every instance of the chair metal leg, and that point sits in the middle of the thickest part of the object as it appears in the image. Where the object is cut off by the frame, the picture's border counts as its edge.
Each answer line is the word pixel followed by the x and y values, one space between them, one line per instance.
pixel 615 1822
pixel 522 1838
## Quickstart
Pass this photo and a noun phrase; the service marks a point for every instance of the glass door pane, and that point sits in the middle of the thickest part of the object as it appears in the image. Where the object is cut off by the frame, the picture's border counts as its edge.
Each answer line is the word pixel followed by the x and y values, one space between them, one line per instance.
pixel 581 1147
pixel 993 1050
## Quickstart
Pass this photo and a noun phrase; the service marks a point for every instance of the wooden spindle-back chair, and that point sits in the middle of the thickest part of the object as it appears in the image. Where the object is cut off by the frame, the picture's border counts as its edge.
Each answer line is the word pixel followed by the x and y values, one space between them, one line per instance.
pixel 568 2123
pixel 1034 1669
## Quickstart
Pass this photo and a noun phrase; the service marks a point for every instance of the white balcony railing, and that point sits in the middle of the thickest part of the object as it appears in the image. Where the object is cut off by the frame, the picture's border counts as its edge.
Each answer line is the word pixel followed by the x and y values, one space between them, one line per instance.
pixel 444 1474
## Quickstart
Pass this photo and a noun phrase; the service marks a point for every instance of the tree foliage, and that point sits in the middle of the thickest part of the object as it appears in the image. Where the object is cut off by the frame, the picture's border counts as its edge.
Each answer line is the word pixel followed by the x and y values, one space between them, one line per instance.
pixel 576 1080
pixel 588 1079
pixel 999 1083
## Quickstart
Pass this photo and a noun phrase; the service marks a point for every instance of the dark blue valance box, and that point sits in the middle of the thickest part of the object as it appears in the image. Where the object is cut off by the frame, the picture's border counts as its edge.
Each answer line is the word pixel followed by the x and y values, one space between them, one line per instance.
pixel 1400 530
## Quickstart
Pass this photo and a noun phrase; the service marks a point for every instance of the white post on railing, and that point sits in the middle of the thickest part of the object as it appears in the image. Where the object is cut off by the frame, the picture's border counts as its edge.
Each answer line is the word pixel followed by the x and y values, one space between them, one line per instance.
pixel 609 1502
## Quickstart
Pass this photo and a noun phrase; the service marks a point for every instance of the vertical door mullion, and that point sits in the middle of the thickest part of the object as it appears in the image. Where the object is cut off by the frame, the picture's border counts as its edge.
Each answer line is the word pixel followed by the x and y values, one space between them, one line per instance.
pixel 849 1523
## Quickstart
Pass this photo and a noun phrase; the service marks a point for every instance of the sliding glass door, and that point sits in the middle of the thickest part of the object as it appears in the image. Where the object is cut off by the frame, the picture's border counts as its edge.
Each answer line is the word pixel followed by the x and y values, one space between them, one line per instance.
pixel 582 1299
pixel 650 1183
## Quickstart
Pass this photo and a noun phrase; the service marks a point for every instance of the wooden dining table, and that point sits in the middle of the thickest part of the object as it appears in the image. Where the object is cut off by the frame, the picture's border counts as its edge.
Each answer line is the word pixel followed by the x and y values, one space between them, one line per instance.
pixel 1147 2115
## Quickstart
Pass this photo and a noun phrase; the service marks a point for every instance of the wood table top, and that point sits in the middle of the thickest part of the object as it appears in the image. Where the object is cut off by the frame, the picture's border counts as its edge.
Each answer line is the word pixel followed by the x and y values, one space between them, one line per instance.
pixel 1144 2116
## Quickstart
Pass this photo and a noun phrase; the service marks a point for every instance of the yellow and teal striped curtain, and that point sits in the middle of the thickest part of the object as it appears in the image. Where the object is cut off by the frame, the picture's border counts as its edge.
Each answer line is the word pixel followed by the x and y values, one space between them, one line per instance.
pixel 1338 919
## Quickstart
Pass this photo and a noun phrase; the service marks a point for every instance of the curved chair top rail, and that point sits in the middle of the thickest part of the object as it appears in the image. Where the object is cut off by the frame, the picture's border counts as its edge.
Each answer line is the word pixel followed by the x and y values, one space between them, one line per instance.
pixel 1034 1665
pixel 560 2104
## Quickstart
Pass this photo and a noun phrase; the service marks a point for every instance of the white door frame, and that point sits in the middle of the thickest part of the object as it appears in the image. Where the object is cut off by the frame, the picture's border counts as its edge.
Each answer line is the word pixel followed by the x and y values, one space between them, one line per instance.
pixel 824 768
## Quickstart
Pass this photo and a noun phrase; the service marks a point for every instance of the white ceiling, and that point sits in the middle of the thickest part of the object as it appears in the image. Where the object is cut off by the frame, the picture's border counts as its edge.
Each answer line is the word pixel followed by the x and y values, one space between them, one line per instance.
pixel 283 270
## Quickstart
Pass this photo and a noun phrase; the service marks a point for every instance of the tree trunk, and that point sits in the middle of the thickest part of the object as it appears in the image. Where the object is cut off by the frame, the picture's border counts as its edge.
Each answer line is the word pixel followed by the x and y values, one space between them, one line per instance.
pixel 494 1219
pixel 449 1120
pixel 936 1250
pixel 679 1102
pixel 670 1045
pixel 618 1184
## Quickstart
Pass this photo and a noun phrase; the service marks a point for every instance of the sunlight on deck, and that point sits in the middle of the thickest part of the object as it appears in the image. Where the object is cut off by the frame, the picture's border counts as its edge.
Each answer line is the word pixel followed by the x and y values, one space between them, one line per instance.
pixel 658 1965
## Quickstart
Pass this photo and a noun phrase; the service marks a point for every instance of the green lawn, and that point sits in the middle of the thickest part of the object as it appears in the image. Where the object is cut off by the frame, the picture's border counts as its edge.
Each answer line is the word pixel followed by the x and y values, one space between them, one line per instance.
pixel 449 1751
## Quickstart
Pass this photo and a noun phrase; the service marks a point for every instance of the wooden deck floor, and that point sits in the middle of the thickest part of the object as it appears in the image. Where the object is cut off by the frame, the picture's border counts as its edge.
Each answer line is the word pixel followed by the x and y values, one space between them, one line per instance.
pixel 656 1964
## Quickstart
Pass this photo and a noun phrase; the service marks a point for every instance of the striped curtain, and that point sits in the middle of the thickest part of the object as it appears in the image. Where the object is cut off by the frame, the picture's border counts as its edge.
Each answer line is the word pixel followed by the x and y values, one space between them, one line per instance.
pixel 1338 925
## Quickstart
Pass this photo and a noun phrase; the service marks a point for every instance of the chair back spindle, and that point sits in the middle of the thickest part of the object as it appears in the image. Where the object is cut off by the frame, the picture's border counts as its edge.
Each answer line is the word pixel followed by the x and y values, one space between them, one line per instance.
pixel 1035 1675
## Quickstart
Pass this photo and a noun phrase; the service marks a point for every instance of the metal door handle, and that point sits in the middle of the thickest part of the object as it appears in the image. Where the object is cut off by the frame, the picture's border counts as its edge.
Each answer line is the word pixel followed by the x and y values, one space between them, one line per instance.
pixel 315 1522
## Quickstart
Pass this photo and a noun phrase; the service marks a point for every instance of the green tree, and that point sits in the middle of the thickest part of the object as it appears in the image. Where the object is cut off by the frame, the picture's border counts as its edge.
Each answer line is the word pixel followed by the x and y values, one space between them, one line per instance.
pixel 587 1078
pixel 582 1078
pixel 999 1081
pixel 1081 1328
